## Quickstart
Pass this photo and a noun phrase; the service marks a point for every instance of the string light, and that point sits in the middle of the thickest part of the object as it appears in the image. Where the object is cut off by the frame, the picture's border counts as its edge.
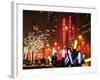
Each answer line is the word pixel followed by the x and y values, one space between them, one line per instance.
pixel 35 41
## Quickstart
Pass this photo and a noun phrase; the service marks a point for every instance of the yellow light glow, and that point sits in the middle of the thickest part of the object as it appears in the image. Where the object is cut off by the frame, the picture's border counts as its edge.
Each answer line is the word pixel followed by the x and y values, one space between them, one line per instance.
pixel 68 51
pixel 66 28
pixel 80 37
pixel 87 60
pixel 58 47
pixel 47 45
pixel 83 42
pixel 75 44
pixel 49 49
pixel 64 46
pixel 55 43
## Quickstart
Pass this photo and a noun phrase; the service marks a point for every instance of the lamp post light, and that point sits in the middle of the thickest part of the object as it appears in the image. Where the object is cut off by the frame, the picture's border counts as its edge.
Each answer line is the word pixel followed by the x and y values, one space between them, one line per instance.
pixel 81 40
pixel 80 37
pixel 55 43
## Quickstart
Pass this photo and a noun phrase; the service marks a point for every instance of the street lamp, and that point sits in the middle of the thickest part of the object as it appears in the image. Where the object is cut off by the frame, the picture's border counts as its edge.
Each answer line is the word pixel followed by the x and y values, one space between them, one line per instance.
pixel 58 47
pixel 83 42
pixel 55 43
pixel 80 37
pixel 48 45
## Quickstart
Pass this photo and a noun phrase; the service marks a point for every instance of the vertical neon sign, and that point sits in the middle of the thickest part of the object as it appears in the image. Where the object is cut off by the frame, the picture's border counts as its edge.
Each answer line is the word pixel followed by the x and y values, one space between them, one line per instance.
pixel 64 30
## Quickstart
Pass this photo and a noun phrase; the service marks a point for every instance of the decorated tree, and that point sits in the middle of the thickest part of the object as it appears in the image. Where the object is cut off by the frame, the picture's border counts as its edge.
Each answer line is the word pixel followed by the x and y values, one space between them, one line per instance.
pixel 35 40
